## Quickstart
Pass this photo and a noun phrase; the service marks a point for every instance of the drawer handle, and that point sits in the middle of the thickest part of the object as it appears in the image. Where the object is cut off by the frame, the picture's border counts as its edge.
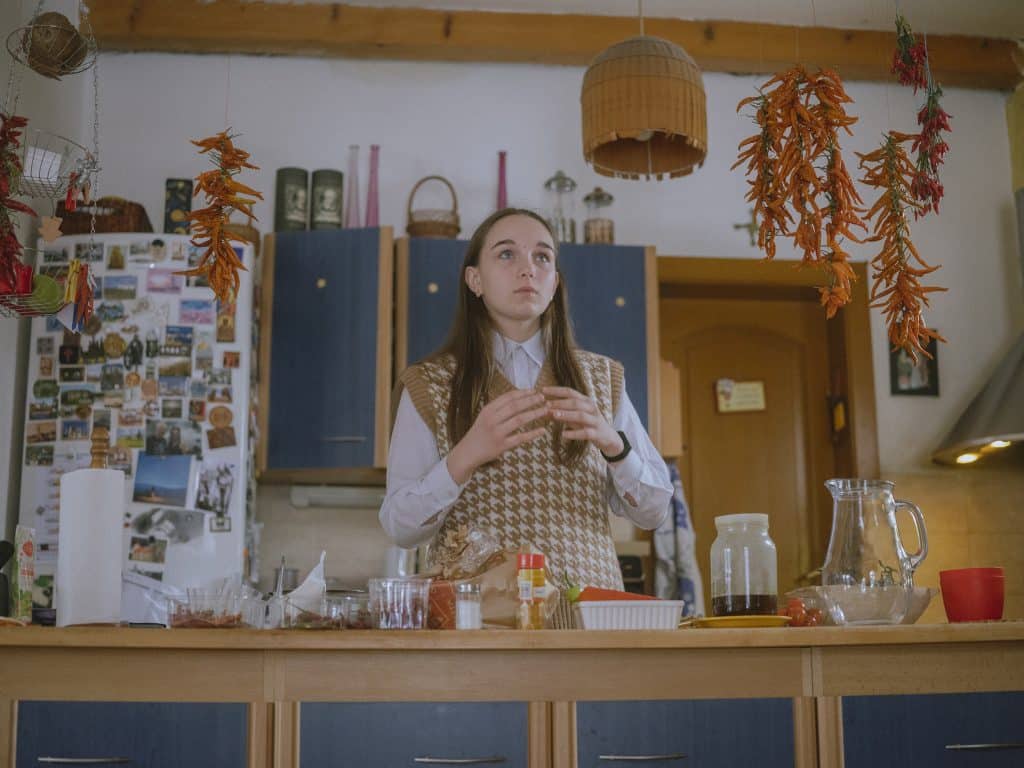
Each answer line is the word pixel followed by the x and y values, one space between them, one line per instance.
pixel 458 760
pixel 985 747
pixel 643 758
pixel 343 439
pixel 83 760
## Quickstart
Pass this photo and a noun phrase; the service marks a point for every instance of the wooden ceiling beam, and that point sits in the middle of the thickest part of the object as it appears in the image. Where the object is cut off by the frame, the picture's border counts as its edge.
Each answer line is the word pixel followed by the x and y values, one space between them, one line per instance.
pixel 233 26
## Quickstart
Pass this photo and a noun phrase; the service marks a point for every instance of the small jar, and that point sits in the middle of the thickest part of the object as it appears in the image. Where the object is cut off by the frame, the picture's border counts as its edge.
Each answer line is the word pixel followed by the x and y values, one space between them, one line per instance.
pixel 744 567
pixel 467 606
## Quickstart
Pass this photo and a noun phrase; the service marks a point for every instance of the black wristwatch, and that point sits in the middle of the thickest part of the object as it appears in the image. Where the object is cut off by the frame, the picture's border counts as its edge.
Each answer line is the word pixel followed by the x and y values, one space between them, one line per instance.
pixel 626 448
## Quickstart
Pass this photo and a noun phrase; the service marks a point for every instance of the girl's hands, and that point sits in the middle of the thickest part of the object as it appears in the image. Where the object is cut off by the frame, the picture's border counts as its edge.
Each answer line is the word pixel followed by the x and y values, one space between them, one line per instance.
pixel 496 430
pixel 582 419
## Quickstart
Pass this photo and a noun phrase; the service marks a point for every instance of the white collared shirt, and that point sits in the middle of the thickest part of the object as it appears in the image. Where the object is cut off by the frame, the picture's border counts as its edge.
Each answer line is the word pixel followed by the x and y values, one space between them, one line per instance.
pixel 420 489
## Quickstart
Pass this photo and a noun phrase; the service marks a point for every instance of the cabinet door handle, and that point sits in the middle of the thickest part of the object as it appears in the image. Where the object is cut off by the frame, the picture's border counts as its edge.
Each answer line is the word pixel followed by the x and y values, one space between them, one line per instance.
pixel 83 760
pixel 986 747
pixel 343 439
pixel 459 760
pixel 643 758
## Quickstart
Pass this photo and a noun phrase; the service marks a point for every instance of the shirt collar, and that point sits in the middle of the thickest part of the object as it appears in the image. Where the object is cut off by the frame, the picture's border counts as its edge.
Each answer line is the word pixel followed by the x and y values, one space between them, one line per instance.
pixel 533 346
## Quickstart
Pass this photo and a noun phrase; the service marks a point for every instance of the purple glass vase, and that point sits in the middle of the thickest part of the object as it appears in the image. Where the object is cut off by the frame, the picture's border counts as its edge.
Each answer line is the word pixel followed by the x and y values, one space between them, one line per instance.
pixel 352 188
pixel 372 193
pixel 502 187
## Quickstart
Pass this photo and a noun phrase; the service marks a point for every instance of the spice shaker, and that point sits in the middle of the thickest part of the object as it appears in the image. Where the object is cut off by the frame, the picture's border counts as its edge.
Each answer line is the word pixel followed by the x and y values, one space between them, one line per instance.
pixel 467 606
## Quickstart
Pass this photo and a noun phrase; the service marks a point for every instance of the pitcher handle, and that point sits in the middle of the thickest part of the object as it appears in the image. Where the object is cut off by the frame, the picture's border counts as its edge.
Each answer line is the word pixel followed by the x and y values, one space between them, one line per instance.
pixel 922 537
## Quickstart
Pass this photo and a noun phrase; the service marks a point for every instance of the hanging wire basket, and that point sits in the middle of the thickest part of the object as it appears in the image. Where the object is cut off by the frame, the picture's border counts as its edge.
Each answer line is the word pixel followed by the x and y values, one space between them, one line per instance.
pixel 48 163
pixel 44 294
pixel 47 298
pixel 52 46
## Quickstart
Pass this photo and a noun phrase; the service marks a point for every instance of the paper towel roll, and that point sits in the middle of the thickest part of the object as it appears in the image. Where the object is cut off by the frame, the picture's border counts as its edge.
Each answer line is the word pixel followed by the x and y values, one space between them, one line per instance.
pixel 88 583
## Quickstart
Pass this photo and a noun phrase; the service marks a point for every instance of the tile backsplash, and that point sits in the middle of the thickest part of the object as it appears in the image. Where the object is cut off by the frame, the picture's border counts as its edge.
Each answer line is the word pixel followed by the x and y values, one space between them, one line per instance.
pixel 974 518
pixel 355 543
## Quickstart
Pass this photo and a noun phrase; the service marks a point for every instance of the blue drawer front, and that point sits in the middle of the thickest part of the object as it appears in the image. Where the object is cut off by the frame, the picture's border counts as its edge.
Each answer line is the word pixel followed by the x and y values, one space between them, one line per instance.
pixel 915 730
pixel 392 735
pixel 323 366
pixel 710 734
pixel 149 735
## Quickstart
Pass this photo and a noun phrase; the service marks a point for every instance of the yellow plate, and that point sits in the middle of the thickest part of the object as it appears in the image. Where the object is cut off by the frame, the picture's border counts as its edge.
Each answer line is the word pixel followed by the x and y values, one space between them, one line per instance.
pixel 723 622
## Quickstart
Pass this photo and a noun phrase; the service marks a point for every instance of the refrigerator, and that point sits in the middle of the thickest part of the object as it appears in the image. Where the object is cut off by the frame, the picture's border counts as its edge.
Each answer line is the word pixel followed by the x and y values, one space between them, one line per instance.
pixel 166 368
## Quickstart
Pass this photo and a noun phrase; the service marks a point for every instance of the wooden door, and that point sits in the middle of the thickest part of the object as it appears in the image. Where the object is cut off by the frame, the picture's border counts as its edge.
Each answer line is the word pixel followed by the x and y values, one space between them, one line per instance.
pixel 774 460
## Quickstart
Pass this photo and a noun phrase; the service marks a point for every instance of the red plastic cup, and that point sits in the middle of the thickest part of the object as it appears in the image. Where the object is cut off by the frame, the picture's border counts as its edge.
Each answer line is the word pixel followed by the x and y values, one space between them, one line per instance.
pixel 973 594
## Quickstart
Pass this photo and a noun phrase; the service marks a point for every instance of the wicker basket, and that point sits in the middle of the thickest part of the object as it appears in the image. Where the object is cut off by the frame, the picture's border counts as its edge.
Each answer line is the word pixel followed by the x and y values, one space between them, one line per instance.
pixel 113 214
pixel 433 222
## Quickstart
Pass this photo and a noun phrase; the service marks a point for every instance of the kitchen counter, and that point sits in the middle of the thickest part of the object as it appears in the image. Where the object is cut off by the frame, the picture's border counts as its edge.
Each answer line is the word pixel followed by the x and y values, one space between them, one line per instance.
pixel 272 669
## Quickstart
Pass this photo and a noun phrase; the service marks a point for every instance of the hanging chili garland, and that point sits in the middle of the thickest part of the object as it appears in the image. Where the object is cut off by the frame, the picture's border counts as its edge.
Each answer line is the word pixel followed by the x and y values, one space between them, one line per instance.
pixel 909 58
pixel 898 267
pixel 797 175
pixel 219 263
pixel 912 67
pixel 10 175
pixel 931 150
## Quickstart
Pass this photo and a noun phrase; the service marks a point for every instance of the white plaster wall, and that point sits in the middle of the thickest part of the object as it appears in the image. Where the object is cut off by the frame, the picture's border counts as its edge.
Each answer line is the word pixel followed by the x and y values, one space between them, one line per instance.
pixel 453 118
pixel 54 107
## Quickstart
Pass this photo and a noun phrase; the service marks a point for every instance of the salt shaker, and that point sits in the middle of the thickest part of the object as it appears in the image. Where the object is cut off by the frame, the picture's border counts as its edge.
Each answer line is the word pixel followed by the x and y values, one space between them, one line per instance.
pixel 467 606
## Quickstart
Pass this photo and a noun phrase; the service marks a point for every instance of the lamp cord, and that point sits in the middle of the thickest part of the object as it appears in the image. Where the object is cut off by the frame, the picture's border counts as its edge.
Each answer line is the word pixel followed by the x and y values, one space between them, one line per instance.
pixel 640 11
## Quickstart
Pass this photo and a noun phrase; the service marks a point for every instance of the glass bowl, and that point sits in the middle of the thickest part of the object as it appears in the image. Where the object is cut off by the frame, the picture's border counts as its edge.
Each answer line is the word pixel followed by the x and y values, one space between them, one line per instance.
pixel 205 609
pixel 399 603
pixel 328 612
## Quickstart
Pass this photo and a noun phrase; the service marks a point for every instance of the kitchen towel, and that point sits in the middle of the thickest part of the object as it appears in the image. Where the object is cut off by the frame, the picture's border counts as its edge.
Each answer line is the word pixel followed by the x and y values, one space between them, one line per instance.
pixel 89 543
pixel 676 572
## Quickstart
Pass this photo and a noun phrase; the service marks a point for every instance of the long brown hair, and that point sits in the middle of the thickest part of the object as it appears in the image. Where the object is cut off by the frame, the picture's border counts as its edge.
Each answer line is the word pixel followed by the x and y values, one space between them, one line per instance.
pixel 469 342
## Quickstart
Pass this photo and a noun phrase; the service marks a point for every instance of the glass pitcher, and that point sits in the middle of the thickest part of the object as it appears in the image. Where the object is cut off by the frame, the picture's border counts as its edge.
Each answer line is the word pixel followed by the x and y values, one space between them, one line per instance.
pixel 868 575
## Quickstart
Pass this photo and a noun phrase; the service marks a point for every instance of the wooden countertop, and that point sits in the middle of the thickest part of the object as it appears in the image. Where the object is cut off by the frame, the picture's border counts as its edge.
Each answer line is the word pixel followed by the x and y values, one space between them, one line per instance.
pixel 120 663
pixel 505 640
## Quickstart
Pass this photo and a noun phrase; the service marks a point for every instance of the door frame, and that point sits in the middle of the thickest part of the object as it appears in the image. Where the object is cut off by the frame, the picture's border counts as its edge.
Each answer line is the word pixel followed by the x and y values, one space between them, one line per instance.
pixel 851 366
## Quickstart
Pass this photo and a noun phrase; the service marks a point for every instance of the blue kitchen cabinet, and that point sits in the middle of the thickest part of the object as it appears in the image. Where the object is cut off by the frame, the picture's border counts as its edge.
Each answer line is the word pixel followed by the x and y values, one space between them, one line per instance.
pixel 608 299
pixel 394 735
pixel 326 307
pixel 705 733
pixel 963 730
pixel 132 733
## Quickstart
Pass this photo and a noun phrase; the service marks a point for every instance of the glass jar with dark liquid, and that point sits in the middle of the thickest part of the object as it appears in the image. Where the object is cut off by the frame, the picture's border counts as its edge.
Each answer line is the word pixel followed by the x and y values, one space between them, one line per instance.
pixel 744 567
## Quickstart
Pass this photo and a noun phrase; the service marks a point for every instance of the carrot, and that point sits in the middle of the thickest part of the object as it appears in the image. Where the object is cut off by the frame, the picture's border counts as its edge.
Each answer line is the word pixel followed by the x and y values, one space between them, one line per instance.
pixel 597 593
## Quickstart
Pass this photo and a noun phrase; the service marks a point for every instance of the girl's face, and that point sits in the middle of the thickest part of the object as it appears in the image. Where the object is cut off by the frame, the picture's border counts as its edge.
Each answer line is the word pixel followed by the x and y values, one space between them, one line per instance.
pixel 515 275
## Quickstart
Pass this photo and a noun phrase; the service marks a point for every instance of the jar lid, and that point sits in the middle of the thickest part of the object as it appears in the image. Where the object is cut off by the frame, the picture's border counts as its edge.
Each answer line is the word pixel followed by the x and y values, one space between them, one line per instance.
pixel 560 183
pixel 468 588
pixel 747 519
pixel 598 197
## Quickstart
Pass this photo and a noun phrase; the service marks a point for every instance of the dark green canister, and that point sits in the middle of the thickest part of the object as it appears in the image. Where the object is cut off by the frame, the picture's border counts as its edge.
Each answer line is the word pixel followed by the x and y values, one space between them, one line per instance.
pixel 325 212
pixel 291 201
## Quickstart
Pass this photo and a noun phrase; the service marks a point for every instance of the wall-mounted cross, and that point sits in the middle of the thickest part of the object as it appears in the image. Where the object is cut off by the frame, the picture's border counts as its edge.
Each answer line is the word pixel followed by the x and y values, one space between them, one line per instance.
pixel 750 226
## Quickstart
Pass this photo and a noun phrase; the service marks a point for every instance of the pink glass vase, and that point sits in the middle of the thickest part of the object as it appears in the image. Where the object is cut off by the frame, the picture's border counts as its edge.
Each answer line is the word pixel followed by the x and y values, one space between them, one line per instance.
pixel 372 193
pixel 352 188
pixel 502 187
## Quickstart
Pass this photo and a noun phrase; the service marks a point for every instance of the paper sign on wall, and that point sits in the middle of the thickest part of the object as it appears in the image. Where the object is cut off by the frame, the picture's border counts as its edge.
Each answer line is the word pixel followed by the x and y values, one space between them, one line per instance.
pixel 739 396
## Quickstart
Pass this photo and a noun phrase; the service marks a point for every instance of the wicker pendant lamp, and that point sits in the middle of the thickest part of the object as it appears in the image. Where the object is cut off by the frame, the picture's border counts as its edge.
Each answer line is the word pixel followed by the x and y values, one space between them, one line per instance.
pixel 644 111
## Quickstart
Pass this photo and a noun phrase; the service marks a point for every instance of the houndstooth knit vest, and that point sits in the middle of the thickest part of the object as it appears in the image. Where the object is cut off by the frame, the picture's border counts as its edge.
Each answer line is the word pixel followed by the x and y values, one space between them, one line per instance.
pixel 526 496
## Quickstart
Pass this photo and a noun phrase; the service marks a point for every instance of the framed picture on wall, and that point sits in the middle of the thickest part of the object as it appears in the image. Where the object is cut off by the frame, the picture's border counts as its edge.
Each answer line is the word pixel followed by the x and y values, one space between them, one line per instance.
pixel 909 378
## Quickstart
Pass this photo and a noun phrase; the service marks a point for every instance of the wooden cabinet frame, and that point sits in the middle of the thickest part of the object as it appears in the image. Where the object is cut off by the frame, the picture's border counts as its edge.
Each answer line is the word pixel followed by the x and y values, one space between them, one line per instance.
pixel 275 670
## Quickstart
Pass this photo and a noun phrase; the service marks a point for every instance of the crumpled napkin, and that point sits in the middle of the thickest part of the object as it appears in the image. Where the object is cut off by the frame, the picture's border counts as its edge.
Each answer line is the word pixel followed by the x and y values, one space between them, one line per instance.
pixel 309 594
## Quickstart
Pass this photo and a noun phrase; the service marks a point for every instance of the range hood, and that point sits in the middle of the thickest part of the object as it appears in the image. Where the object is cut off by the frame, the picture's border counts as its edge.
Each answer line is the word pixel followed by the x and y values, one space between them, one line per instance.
pixel 991 430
